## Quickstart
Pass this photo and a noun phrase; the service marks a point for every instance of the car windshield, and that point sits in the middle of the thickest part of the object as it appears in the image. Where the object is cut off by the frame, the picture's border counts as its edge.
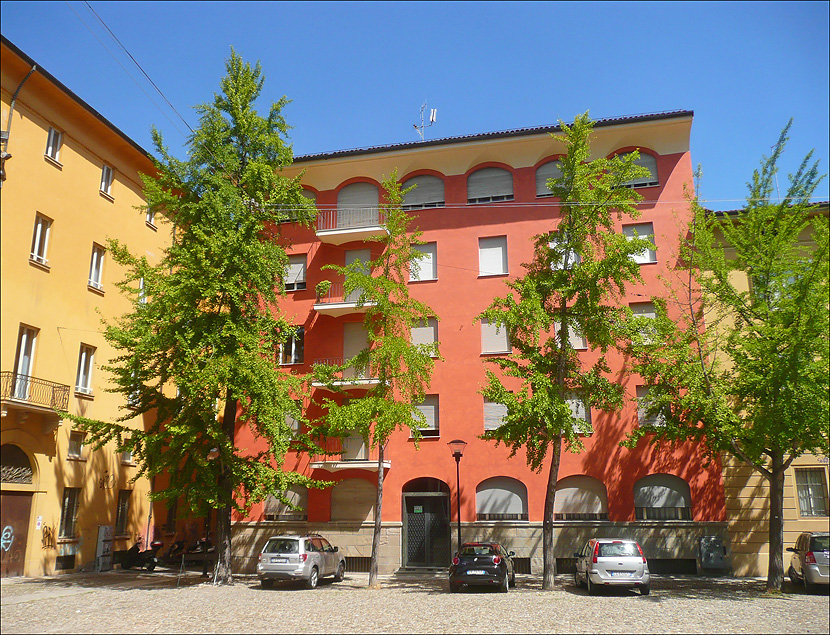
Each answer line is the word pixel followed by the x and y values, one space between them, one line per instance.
pixel 820 543
pixel 477 550
pixel 280 545
pixel 616 549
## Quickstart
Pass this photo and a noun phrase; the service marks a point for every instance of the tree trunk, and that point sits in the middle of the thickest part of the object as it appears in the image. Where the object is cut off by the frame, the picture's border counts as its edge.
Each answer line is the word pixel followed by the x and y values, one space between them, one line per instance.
pixel 222 572
pixel 775 572
pixel 373 567
pixel 548 553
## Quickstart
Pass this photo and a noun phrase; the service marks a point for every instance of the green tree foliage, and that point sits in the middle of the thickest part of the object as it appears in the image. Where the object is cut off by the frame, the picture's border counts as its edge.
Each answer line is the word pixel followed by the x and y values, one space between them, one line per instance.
pixel 745 367
pixel 402 369
pixel 575 283
pixel 201 340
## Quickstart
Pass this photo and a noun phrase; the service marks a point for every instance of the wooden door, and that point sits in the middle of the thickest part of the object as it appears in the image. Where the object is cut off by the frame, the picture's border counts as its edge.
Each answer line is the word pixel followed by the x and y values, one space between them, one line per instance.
pixel 15 509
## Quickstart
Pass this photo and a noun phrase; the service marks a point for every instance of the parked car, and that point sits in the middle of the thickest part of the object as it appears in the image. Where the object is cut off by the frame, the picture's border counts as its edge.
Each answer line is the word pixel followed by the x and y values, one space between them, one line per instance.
pixel 809 563
pixel 611 562
pixel 482 563
pixel 307 558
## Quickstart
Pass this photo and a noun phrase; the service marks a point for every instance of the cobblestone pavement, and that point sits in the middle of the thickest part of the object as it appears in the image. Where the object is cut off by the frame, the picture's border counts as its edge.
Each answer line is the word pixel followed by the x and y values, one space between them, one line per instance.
pixel 160 602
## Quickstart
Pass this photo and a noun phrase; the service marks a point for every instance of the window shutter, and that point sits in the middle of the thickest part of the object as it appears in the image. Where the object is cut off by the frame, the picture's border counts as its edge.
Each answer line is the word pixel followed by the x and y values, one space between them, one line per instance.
pixel 429 408
pixel 295 276
pixel 357 206
pixel 641 230
pixel 489 184
pixel 428 193
pixel 493 339
pixel 425 333
pixel 492 256
pixel 645 161
pixel 494 414
pixel 425 268
pixel 547 171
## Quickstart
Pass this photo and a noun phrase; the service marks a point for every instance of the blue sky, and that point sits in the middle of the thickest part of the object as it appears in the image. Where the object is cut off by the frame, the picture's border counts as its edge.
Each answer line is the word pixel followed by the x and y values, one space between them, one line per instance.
pixel 357 73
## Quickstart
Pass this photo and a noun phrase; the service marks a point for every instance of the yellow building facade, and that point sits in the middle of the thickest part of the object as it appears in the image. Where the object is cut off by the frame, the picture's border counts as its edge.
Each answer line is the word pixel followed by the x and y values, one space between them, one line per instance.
pixel 70 182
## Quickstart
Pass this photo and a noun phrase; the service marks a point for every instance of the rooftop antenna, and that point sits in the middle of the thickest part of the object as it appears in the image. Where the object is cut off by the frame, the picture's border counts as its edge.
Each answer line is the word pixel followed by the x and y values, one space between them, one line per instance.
pixel 432 117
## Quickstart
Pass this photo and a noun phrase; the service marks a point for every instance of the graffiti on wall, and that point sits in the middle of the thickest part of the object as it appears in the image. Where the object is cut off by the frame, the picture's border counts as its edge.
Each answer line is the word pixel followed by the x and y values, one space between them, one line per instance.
pixel 47 540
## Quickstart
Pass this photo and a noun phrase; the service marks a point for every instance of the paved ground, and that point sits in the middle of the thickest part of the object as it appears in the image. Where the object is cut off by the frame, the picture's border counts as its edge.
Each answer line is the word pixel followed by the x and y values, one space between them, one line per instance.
pixel 161 602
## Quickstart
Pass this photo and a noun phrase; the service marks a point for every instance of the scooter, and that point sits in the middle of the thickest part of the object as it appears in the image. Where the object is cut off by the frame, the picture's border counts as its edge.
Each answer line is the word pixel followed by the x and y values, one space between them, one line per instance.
pixel 142 559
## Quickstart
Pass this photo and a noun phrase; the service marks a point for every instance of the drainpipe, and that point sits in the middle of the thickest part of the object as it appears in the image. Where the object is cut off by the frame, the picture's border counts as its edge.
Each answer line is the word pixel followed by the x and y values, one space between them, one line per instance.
pixel 5 133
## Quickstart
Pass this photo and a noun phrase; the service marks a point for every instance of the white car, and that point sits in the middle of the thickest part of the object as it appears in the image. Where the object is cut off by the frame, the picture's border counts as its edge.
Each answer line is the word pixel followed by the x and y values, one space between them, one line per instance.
pixel 810 562
pixel 307 558
pixel 611 562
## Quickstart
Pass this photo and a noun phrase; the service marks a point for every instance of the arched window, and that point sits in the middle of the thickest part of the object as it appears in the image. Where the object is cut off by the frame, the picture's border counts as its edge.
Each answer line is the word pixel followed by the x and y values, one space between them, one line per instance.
pixel 662 497
pixel 14 465
pixel 353 499
pixel 646 161
pixel 501 498
pixel 357 206
pixel 428 193
pixel 277 510
pixel 550 170
pixel 311 196
pixel 490 185
pixel 580 498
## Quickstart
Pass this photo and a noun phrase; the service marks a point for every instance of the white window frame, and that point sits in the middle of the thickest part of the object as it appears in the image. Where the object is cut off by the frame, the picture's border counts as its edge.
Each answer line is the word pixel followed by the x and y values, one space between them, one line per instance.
pixel 643 420
pixel 292 350
pixel 86 363
pixel 642 230
pixel 75 448
pixel 546 171
pixel 150 218
pixel 69 512
pixel 122 512
pixel 811 492
pixel 420 198
pixel 645 310
pixel 579 410
pixel 577 341
pixel 297 268
pixel 490 250
pixel 40 240
pixel 425 332
pixel 430 408
pixel 424 268
pixel 25 361
pixel 495 414
pixel 96 267
pixel 572 256
pixel 486 195
pixel 495 336
pixel 106 180
pixel 54 141
pixel 645 160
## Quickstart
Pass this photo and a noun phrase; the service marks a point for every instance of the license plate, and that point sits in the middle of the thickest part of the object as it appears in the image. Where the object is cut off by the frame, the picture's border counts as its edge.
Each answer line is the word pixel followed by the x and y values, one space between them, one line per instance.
pixel 621 573
pixel 476 572
pixel 279 560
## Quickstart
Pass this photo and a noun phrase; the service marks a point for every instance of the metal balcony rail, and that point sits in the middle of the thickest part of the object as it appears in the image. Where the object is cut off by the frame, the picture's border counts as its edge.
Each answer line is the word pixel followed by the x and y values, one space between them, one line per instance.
pixel 354 218
pixel 33 390
pixel 349 373
pixel 345 449
pixel 334 295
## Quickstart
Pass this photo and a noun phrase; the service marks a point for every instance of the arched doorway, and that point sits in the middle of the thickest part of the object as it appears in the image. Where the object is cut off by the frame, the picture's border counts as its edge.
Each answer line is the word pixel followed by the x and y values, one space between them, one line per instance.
pixel 15 510
pixel 426 531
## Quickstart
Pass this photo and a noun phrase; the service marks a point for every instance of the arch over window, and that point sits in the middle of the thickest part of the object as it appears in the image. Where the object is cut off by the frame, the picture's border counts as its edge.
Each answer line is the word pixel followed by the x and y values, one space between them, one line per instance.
pixel 662 497
pixel 646 161
pixel 580 498
pixel 549 170
pixel 426 484
pixel 353 499
pixel 428 193
pixel 501 498
pixel 277 510
pixel 311 196
pixel 15 466
pixel 490 185
pixel 357 206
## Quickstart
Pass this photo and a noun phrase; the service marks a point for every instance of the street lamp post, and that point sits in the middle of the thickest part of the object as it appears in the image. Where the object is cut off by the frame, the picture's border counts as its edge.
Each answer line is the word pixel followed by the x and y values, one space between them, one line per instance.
pixel 457 449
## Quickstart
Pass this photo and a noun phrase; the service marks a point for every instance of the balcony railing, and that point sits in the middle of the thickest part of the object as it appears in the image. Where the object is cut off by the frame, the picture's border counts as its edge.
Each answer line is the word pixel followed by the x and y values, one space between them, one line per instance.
pixel 350 374
pixel 335 295
pixel 356 218
pixel 34 391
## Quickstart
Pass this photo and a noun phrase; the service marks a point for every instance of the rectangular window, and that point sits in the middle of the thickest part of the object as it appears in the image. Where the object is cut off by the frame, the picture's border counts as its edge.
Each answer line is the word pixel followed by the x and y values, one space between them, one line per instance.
pixel 40 239
pixel 811 485
pixel 122 514
pixel 53 144
pixel 69 512
pixel 578 410
pixel 494 339
pixel 142 294
pixel 642 230
pixel 172 510
pixel 127 457
pixel 575 339
pixel 644 419
pixel 26 340
pixel 96 267
pixel 86 358
pixel 150 218
pixel 425 268
pixel 645 311
pixel 561 256
pixel 429 408
pixel 106 180
pixel 295 276
pixel 76 444
pixel 291 351
pixel 492 256
pixel 425 332
pixel 494 414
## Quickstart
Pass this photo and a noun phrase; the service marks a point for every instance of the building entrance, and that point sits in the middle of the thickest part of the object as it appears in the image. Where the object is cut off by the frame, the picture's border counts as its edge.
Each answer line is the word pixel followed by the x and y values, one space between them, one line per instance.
pixel 426 524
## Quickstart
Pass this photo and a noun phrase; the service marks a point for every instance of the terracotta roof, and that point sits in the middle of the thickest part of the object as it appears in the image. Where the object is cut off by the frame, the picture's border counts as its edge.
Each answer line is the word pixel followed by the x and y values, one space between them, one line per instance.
pixel 518 132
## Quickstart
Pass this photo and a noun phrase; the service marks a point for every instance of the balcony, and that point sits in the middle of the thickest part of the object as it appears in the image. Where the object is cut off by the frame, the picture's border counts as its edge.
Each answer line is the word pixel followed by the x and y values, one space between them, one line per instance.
pixel 335 303
pixel 349 379
pixel 346 453
pixel 336 227
pixel 28 395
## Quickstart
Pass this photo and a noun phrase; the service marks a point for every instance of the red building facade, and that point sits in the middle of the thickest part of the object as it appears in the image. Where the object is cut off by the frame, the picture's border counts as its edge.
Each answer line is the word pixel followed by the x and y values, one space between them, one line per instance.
pixel 480 201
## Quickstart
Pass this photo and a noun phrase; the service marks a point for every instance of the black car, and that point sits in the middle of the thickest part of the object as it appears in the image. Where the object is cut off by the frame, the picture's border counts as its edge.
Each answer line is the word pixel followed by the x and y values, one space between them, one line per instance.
pixel 484 564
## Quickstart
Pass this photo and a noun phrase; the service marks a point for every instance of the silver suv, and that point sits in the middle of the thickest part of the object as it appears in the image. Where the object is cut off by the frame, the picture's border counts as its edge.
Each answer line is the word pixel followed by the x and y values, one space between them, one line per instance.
pixel 306 558
pixel 611 562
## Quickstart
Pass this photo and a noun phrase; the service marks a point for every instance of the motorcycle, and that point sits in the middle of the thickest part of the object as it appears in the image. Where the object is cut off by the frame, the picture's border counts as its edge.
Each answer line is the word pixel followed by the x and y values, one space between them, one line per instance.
pixel 174 554
pixel 141 559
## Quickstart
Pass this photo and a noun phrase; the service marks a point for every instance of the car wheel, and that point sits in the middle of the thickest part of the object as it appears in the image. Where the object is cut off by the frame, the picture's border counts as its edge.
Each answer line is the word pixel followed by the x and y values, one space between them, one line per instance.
pixel 266 584
pixel 645 590
pixel 313 578
pixel 809 587
pixel 577 581
pixel 341 572
pixel 791 575
pixel 592 590
pixel 513 580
